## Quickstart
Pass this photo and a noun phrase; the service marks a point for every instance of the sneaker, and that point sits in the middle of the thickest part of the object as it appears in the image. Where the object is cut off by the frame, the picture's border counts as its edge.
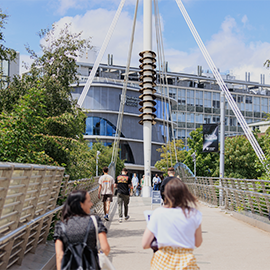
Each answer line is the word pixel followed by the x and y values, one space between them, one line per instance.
pixel 106 217
pixel 120 220
pixel 127 217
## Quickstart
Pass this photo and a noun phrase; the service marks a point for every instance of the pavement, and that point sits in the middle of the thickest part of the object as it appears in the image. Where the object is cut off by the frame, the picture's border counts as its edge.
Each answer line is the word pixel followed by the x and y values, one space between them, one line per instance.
pixel 228 243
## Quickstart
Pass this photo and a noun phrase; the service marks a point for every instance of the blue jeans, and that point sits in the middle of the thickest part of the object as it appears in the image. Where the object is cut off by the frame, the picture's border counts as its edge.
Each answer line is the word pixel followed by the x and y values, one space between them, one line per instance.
pixel 156 187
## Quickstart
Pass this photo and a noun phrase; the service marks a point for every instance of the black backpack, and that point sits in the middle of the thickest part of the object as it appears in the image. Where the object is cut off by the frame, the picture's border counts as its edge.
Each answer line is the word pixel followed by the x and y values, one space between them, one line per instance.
pixel 79 256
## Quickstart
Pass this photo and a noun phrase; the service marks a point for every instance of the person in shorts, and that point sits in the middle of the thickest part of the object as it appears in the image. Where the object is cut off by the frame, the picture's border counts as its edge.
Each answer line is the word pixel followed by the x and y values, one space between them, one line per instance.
pixel 106 184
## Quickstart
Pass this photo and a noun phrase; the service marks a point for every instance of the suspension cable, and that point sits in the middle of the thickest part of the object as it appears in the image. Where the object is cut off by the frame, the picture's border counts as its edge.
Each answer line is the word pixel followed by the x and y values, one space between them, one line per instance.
pixel 164 80
pixel 100 54
pixel 124 91
pixel 223 86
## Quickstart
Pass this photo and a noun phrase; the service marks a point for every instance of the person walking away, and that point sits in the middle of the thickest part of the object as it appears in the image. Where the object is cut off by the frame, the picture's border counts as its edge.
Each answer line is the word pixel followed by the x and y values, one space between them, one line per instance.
pixel 170 176
pixel 135 183
pixel 161 180
pixel 156 181
pixel 123 183
pixel 177 229
pixel 106 185
pixel 75 219
pixel 142 181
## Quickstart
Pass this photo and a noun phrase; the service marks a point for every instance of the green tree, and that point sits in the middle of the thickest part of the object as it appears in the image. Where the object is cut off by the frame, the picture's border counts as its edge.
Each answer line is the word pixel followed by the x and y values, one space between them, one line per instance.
pixel 40 122
pixel 19 141
pixel 167 154
pixel 5 53
pixel 240 159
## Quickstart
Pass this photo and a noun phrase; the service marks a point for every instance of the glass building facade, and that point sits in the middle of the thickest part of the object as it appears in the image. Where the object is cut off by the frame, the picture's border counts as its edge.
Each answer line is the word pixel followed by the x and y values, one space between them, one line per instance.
pixel 193 100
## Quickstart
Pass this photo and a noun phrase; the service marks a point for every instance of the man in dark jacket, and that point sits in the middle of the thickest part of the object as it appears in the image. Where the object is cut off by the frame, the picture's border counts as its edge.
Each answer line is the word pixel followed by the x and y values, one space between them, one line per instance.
pixel 170 176
pixel 123 184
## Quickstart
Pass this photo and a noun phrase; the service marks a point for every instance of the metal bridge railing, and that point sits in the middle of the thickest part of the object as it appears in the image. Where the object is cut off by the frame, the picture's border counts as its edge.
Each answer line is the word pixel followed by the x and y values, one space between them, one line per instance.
pixel 29 195
pixel 249 195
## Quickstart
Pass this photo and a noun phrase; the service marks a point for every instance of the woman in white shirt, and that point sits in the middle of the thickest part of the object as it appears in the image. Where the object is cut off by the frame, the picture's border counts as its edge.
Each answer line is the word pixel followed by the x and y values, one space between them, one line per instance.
pixel 177 229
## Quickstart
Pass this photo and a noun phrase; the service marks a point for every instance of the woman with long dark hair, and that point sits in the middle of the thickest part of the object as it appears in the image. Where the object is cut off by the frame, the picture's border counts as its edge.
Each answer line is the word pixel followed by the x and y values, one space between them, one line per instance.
pixel 176 227
pixel 76 218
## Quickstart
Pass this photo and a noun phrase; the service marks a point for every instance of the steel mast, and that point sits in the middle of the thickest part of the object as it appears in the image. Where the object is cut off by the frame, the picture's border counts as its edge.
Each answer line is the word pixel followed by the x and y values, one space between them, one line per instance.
pixel 148 76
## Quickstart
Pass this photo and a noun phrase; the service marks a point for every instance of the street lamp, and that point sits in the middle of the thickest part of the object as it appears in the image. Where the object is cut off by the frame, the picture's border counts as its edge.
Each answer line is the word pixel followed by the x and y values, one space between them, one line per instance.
pixel 194 160
pixel 98 152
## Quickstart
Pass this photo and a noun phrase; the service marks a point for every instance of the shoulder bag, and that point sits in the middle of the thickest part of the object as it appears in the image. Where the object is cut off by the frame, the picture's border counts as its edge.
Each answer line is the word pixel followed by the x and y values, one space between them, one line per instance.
pixel 79 256
pixel 104 261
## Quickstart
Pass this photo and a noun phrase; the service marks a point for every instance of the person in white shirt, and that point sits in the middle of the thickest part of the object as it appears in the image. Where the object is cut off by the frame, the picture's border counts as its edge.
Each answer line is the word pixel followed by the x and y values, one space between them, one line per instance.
pixel 106 184
pixel 135 183
pixel 176 227
pixel 156 182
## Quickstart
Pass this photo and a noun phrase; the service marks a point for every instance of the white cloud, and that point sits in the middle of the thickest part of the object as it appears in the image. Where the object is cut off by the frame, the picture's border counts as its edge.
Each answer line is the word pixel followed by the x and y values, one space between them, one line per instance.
pixel 95 24
pixel 228 47
pixel 229 51
pixel 65 5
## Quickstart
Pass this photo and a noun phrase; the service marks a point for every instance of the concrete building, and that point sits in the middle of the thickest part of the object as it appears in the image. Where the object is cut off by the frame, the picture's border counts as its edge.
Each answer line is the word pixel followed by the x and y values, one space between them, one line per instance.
pixel 9 69
pixel 194 100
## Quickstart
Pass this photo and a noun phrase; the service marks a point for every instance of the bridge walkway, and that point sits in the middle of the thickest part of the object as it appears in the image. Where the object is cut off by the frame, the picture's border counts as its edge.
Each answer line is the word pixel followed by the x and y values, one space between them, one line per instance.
pixel 228 243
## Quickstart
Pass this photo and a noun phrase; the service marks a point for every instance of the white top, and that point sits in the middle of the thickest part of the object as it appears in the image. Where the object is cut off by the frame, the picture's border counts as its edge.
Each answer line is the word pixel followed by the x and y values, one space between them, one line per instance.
pixel 172 228
pixel 106 181
pixel 156 180
pixel 135 181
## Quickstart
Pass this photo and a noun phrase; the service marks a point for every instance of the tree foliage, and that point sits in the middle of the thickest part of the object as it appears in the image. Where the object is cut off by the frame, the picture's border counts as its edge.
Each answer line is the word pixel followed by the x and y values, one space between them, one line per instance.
pixel 167 154
pixel 240 158
pixel 5 53
pixel 39 121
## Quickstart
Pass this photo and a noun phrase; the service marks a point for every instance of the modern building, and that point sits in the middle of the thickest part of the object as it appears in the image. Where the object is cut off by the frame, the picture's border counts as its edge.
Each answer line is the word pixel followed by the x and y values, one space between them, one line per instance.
pixel 260 126
pixel 193 100
pixel 8 69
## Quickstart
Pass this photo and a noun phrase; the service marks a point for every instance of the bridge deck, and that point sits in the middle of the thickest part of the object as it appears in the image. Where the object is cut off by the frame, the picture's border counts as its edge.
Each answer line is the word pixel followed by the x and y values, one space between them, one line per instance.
pixel 228 244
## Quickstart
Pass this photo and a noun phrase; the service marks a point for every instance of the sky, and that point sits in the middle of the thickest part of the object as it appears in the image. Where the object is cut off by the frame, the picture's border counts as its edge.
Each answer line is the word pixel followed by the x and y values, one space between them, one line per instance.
pixel 236 32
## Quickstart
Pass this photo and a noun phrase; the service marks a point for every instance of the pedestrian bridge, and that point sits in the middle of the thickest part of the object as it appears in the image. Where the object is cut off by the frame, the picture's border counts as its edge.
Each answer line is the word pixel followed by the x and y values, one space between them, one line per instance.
pixel 236 231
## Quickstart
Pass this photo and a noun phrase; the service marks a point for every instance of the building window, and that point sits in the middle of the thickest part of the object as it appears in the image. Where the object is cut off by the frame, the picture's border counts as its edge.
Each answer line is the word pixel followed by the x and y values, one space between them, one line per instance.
pixel 249 103
pixel 99 126
pixel 233 121
pixel 181 96
pixel 216 119
pixel 190 97
pixel 199 98
pixel 172 92
pixel 256 104
pixel 199 118
pixel 216 100
pixel 207 119
pixel 264 106
pixel 190 117
pixel 181 117
pixel 241 102
pixel 181 134
pixel 207 99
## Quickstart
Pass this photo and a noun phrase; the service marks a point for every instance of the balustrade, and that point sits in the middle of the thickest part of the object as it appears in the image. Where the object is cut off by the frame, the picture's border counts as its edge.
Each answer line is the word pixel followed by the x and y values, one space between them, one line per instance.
pixel 249 195
pixel 29 195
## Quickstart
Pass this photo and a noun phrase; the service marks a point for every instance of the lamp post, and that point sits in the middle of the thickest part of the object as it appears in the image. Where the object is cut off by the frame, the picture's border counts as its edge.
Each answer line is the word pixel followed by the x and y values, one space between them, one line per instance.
pixel 98 152
pixel 194 160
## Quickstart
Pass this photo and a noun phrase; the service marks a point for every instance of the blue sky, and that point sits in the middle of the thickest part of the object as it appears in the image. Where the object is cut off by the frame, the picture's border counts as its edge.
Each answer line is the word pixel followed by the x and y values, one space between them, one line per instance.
pixel 235 32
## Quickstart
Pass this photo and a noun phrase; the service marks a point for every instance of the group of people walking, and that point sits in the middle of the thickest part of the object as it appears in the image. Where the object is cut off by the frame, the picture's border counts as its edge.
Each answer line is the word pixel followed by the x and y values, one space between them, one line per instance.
pixel 175 227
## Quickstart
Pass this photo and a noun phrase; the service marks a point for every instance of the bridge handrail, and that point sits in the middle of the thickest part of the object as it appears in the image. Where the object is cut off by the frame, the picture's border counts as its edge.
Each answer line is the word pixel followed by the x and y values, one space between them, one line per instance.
pixel 249 196
pixel 29 195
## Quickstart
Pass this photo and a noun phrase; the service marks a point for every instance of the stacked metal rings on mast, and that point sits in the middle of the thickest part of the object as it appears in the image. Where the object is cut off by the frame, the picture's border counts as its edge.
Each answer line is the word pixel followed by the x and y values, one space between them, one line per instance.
pixel 147 78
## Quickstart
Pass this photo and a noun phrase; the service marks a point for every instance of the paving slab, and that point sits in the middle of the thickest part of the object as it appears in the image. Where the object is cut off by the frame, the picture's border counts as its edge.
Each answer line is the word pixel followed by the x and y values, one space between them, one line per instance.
pixel 228 244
